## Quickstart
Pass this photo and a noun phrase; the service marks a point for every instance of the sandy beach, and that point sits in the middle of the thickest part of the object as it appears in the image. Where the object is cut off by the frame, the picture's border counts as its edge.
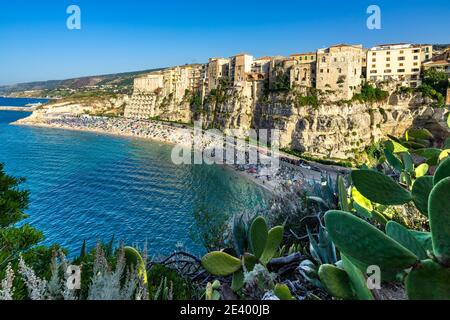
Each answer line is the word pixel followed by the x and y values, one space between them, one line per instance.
pixel 266 177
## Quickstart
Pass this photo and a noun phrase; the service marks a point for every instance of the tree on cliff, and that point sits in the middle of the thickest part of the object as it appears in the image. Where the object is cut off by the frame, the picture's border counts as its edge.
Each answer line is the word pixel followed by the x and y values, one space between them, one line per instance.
pixel 438 80
pixel 18 239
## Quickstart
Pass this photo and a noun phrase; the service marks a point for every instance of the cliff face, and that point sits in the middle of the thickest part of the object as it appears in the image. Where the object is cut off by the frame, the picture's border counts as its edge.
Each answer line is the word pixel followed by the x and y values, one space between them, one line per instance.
pixel 329 131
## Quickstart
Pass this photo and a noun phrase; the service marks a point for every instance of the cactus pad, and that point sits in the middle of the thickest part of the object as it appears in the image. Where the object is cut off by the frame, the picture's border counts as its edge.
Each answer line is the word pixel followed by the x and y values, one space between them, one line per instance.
pixel 421 192
pixel 336 281
pixel 428 281
pixel 135 262
pixel 362 241
pixel 442 172
pixel 220 263
pixel 439 216
pixel 274 240
pixel 258 236
pixel 379 188
pixel 402 235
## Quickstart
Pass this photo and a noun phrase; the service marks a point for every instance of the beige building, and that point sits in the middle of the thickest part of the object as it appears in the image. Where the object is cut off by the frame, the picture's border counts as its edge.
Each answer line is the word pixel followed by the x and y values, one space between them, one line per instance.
pixel 259 69
pixel 149 83
pixel 339 69
pixel 217 70
pixel 171 83
pixel 304 57
pixel 302 73
pixel 397 62
pixel 439 62
pixel 239 66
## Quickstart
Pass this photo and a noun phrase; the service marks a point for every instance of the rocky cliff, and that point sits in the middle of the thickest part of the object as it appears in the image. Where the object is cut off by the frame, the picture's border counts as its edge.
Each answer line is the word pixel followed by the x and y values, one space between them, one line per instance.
pixel 328 130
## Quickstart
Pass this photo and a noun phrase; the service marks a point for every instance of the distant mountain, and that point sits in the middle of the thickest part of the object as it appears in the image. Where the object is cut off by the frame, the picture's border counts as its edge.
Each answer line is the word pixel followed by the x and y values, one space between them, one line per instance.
pixel 119 79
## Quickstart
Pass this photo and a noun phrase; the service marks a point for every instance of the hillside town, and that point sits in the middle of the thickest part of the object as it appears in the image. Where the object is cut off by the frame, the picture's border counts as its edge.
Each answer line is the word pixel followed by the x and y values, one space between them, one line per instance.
pixel 339 70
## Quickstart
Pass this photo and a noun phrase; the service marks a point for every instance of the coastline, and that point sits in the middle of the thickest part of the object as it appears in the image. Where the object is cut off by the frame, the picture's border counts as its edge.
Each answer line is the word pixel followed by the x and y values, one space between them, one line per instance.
pixel 155 131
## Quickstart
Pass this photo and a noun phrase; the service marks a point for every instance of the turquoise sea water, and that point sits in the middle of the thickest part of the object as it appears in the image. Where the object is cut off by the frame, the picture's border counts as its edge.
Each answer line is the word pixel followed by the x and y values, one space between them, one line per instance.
pixel 86 186
pixel 19 102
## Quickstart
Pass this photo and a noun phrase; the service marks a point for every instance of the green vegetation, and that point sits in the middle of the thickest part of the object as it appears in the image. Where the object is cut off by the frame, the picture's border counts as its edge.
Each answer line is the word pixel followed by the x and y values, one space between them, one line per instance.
pixel 306 157
pixel 434 86
pixel 371 94
pixel 398 249
pixel 309 99
pixel 316 240
pixel 255 245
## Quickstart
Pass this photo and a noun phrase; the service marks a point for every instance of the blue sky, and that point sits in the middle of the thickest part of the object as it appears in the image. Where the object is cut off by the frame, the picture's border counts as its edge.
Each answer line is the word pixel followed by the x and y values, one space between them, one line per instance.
pixel 130 35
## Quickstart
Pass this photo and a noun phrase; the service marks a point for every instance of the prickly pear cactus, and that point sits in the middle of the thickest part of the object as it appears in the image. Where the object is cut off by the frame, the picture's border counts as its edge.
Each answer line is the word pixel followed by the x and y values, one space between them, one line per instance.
pixel 403 236
pixel 379 188
pixel 220 263
pixel 274 239
pixel 362 241
pixel 439 215
pixel 258 236
pixel 282 292
pixel 135 262
pixel 336 281
pixel 442 172
pixel 421 191
pixel 357 280
pixel 428 281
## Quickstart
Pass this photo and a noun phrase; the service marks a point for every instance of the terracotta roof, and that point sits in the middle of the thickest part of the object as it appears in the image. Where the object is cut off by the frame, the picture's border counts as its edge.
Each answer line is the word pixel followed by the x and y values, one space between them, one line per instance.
pixel 436 62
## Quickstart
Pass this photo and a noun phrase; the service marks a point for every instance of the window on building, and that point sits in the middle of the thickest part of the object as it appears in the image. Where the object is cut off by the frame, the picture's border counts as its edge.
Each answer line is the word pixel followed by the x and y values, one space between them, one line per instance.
pixel 388 52
pixel 312 57
pixel 427 57
pixel 335 59
pixel 321 70
pixel 415 70
pixel 374 53
pixel 416 51
pixel 413 84
pixel 388 65
pixel 400 70
pixel 387 71
pixel 416 57
pixel 324 59
pixel 400 64
pixel 374 66
pixel 388 59
pixel 402 52
pixel 401 58
pixel 415 64
pixel 374 60
pixel 373 78
pixel 339 70
pixel 373 71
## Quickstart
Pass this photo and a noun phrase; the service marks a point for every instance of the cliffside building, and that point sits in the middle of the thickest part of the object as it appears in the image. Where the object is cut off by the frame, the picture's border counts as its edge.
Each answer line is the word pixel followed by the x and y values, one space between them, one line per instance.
pixel 172 83
pixel 239 66
pixel 397 62
pixel 440 62
pixel 217 70
pixel 339 69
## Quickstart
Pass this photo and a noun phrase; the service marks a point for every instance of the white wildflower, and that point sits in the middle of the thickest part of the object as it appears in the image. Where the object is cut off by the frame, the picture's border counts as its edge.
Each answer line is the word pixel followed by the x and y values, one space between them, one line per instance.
pixel 36 286
pixel 6 287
